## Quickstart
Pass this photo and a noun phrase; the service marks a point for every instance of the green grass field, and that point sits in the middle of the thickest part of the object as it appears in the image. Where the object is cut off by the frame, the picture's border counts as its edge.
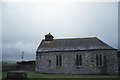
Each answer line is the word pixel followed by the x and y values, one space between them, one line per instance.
pixel 8 63
pixel 32 74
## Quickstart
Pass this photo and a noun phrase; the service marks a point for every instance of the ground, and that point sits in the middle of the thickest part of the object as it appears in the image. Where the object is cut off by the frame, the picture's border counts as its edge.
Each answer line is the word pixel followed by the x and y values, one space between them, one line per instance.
pixel 32 74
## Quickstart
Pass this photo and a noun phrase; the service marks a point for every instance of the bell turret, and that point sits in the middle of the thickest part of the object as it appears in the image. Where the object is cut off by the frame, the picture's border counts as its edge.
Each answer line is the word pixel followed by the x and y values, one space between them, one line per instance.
pixel 48 37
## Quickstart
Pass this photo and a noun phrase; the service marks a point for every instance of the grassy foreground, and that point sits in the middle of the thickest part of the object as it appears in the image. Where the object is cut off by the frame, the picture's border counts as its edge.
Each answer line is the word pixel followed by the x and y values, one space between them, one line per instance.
pixel 32 74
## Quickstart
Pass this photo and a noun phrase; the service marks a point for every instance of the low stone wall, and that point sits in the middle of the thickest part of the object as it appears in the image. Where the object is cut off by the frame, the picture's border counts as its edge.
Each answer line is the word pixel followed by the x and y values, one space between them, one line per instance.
pixel 10 67
pixel 26 66
pixel 19 67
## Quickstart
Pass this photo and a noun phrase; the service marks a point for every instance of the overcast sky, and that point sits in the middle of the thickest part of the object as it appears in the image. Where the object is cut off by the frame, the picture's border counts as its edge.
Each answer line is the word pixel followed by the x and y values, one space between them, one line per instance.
pixel 26 23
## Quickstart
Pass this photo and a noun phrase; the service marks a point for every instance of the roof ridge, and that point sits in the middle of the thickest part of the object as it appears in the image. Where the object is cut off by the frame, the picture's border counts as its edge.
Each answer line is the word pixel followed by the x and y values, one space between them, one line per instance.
pixel 76 38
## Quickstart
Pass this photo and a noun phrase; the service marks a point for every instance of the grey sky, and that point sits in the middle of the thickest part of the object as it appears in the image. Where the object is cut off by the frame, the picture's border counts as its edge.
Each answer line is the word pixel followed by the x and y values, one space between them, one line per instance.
pixel 25 24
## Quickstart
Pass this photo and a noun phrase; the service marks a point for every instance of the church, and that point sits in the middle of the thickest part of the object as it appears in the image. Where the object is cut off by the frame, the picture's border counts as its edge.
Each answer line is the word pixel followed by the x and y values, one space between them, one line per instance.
pixel 76 56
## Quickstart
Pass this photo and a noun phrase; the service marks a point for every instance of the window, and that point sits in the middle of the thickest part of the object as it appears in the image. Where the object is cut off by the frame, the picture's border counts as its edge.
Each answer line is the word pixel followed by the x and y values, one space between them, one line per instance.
pixel 78 60
pixel 99 60
pixel 58 60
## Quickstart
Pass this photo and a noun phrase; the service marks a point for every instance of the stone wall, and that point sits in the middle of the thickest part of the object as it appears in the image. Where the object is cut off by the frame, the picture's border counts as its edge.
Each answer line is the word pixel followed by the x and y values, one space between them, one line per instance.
pixel 11 67
pixel 26 65
pixel 118 61
pixel 69 67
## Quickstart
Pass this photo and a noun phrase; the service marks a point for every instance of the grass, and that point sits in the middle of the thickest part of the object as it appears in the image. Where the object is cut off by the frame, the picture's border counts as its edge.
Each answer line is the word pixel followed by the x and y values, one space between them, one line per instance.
pixel 32 74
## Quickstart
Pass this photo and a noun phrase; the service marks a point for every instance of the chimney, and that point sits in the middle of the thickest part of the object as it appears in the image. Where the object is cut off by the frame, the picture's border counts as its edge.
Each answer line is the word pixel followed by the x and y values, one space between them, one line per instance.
pixel 48 37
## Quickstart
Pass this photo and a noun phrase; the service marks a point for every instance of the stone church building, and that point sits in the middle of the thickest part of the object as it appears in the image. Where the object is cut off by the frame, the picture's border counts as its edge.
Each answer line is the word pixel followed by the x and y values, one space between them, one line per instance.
pixel 76 56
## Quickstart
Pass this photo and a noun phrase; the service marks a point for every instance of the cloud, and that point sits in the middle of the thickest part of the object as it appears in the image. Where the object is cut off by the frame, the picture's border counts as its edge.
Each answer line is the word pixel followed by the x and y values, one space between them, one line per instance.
pixel 25 24
pixel 50 1
pixel 14 50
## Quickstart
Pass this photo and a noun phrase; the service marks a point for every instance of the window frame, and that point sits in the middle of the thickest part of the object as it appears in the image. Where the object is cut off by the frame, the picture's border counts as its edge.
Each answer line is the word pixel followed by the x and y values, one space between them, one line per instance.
pixel 99 61
pixel 60 62
pixel 78 60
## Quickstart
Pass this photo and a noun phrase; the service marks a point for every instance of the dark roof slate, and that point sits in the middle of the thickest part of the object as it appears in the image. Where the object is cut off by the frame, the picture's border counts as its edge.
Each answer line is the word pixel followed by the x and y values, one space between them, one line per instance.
pixel 91 43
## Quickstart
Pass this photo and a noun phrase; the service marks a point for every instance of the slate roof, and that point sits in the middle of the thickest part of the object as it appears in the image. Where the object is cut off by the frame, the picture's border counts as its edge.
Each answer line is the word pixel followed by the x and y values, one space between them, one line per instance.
pixel 72 44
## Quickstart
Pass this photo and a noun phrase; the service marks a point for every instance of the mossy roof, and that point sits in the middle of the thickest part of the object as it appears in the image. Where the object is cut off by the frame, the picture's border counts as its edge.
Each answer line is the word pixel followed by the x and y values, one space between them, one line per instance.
pixel 68 44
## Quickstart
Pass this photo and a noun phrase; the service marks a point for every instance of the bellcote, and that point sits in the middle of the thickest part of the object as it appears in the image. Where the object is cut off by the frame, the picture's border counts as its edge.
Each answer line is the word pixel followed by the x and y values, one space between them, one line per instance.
pixel 48 37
